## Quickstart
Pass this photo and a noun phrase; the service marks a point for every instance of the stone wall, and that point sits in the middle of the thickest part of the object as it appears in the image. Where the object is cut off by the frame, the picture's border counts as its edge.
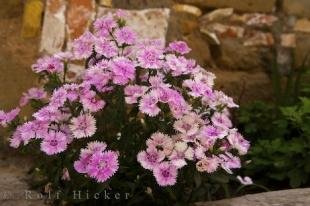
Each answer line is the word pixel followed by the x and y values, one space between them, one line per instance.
pixel 238 40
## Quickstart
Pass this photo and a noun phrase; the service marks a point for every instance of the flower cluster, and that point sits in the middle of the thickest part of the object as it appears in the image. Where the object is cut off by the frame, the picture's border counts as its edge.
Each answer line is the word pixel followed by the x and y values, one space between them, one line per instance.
pixel 161 82
pixel 97 162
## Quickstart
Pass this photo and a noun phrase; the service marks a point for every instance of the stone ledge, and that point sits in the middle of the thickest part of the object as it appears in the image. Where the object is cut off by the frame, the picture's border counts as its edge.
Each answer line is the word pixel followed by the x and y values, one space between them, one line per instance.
pixel 294 197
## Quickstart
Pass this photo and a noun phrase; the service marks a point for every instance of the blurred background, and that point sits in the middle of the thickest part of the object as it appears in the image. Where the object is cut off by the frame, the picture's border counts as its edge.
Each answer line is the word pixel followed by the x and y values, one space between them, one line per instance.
pixel 241 41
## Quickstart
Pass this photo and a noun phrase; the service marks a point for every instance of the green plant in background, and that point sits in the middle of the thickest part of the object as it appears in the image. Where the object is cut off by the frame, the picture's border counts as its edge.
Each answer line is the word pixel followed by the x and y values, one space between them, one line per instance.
pixel 280 133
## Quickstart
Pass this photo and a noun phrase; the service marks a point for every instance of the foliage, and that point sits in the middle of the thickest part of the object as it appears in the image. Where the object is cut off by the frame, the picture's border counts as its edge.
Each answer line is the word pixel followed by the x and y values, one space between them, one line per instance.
pixel 280 133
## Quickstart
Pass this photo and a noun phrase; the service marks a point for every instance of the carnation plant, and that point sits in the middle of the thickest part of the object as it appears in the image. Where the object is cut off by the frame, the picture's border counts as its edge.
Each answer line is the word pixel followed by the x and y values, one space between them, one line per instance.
pixel 142 119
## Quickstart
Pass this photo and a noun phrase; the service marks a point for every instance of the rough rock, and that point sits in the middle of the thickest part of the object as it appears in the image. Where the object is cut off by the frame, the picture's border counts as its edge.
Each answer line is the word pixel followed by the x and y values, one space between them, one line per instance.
pixel 184 26
pixel 294 197
pixel 148 23
pixel 142 4
pixel 301 52
pixel 188 9
pixel 302 25
pixel 32 18
pixel 14 190
pixel 53 31
pixel 217 15
pixel 288 40
pixel 258 38
pixel 244 5
pixel 106 3
pixel 247 57
pixel 244 87
pixel 80 14
pixel 299 8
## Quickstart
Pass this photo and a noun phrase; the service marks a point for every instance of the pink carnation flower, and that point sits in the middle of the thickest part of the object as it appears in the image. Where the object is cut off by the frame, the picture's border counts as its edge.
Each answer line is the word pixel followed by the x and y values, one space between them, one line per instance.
pixel 123 70
pixel 8 117
pixel 32 93
pixel 106 48
pixel 104 25
pixel 150 158
pixel 179 47
pixel 165 174
pixel 102 165
pixel 48 64
pixel 150 58
pixel 83 126
pixel 221 120
pixel 148 105
pixel 237 141
pixel 54 143
pixel 83 46
pixel 125 35
pixel 208 164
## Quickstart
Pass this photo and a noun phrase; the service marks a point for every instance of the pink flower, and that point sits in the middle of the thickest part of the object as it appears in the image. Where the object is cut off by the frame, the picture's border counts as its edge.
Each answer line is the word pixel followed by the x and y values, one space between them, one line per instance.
pixel 133 92
pixel 96 146
pixel 221 120
pixel 187 125
pixel 33 129
pixel 92 103
pixel 161 142
pixel 106 48
pixel 83 126
pixel 72 91
pixel 165 174
pixel 16 139
pixel 245 181
pixel 85 155
pixel 150 58
pixel 102 165
pixel 148 105
pixel 32 93
pixel 125 35
pixel 238 142
pixel 179 47
pixel 58 98
pixel 47 113
pixel 83 46
pixel 228 162
pixel 96 77
pixel 123 70
pixel 208 164
pixel 54 143
pixel 104 25
pixel 213 132
pixel 48 64
pixel 150 158
pixel 6 118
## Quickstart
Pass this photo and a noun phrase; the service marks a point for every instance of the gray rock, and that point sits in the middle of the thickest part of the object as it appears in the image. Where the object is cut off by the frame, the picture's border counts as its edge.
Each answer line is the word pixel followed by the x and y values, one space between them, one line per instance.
pixel 295 197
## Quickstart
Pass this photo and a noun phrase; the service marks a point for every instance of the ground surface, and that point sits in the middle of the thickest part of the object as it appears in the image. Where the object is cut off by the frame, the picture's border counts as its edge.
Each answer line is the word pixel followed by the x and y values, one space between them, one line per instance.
pixel 16 56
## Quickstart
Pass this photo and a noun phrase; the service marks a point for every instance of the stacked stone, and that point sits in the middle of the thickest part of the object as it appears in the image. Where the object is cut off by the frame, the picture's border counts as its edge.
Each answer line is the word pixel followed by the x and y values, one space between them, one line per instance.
pixel 238 40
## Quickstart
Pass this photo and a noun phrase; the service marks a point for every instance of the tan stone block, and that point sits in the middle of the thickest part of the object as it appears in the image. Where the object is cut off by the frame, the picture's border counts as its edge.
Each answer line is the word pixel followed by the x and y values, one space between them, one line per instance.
pixel 80 15
pixel 241 5
pixel 148 23
pixel 288 40
pixel 188 9
pixel 302 25
pixel 299 8
pixel 53 31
